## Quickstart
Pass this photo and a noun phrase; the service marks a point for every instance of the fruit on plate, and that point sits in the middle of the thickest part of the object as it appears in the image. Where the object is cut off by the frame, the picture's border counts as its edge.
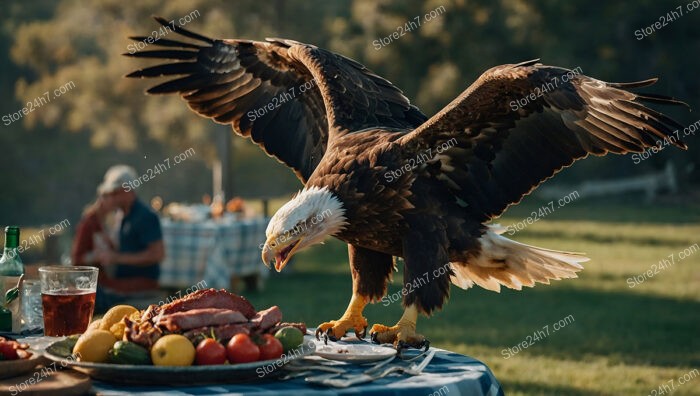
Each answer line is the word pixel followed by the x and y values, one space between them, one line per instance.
pixel 95 325
pixel 210 351
pixel 172 334
pixel 242 349
pixel 204 313
pixel 118 329
pixel 125 352
pixel 13 350
pixel 270 347
pixel 94 345
pixel 173 350
pixel 290 337
pixel 115 315
pixel 8 351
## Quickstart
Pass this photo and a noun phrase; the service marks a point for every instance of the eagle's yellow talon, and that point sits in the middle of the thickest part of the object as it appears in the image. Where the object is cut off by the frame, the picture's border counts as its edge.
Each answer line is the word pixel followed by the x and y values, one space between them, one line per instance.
pixel 338 328
pixel 351 319
pixel 403 333
pixel 395 334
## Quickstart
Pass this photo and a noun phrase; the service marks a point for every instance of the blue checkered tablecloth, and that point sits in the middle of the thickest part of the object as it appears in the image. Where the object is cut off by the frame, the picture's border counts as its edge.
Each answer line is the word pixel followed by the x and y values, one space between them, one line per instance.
pixel 448 374
pixel 212 251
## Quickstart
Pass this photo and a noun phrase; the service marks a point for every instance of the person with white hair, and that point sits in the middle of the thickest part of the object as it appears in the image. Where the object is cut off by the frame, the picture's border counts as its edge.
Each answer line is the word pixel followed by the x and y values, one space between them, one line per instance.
pixel 134 266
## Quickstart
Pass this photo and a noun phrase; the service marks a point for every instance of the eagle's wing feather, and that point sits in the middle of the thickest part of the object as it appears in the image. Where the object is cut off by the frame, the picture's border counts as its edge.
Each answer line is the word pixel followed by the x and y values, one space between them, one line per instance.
pixel 284 95
pixel 518 125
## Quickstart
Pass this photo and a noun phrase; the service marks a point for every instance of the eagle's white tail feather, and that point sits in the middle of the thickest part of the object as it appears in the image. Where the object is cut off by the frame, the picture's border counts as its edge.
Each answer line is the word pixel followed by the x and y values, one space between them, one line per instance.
pixel 513 264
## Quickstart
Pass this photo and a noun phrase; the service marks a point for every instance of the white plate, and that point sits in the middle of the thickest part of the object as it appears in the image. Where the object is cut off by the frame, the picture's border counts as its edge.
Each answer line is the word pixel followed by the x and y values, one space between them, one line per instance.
pixel 355 353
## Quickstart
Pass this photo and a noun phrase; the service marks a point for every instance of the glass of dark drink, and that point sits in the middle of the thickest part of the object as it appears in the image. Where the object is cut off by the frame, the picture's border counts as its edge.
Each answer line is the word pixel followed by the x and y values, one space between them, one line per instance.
pixel 68 298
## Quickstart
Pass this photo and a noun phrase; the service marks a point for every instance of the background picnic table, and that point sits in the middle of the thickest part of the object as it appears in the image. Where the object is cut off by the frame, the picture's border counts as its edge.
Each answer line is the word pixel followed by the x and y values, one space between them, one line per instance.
pixel 211 251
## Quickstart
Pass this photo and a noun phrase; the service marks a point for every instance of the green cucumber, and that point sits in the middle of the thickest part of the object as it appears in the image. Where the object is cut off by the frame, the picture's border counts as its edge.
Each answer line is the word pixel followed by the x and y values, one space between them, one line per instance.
pixel 125 352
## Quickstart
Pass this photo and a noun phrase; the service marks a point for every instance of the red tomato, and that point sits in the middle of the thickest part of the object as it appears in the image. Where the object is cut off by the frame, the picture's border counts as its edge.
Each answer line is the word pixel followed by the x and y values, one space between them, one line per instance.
pixel 8 351
pixel 210 351
pixel 241 349
pixel 271 347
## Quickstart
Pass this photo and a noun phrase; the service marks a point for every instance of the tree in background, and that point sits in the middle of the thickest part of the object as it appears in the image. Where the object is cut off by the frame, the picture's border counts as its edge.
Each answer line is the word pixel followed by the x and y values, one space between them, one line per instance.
pixel 52 44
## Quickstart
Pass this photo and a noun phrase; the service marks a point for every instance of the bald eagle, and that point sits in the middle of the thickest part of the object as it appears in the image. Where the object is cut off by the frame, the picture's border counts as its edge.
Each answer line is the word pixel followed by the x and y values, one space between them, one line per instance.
pixel 389 181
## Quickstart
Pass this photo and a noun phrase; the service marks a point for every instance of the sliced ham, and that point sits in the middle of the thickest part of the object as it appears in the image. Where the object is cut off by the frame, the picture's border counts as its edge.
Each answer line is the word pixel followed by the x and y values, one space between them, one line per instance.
pixel 142 333
pixel 194 318
pixel 202 313
pixel 267 319
pixel 210 298
pixel 222 333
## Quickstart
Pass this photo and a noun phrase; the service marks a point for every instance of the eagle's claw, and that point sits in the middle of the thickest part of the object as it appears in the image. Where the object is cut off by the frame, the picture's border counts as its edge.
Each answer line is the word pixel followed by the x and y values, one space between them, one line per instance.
pixel 328 335
pixel 361 335
pixel 405 345
pixel 402 336
pixel 336 329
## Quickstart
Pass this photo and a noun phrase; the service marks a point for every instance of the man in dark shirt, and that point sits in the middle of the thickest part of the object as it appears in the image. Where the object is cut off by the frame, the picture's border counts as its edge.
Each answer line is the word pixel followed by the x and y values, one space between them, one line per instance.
pixel 137 261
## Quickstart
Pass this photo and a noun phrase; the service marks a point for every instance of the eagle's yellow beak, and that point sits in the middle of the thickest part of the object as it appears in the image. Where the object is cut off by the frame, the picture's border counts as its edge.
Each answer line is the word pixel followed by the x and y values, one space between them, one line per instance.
pixel 281 253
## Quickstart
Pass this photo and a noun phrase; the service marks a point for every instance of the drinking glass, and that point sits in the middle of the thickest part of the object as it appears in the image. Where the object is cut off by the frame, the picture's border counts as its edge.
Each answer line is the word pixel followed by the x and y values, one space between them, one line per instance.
pixel 32 314
pixel 68 298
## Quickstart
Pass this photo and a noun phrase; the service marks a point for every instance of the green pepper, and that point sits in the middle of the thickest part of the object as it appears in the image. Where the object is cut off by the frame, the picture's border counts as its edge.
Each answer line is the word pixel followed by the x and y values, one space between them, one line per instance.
pixel 11 295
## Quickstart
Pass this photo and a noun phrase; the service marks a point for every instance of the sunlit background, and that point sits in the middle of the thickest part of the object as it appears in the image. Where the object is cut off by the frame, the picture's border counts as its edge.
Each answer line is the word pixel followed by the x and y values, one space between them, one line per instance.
pixel 624 340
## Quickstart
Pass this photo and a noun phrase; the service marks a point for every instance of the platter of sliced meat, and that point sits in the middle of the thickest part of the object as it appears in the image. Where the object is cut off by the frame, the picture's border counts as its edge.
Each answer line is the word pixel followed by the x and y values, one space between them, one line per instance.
pixel 199 316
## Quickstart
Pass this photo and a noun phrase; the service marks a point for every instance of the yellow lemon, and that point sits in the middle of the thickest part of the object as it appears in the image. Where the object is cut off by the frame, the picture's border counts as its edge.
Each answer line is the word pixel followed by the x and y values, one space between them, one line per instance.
pixel 115 315
pixel 173 350
pixel 94 345
pixel 95 325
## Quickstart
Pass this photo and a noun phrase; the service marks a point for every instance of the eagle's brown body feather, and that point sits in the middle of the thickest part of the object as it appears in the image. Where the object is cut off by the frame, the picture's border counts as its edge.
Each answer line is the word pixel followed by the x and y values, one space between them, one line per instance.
pixel 414 187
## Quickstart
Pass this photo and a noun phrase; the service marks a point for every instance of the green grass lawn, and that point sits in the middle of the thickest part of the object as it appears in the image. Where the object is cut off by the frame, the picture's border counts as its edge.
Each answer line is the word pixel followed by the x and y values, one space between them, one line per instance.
pixel 619 340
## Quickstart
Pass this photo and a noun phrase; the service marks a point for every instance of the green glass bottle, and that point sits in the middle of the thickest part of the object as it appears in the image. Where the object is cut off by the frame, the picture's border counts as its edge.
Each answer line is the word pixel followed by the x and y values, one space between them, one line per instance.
pixel 11 269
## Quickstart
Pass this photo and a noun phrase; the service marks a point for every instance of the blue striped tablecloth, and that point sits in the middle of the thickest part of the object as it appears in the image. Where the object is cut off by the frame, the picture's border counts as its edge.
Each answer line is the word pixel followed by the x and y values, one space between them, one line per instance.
pixel 211 251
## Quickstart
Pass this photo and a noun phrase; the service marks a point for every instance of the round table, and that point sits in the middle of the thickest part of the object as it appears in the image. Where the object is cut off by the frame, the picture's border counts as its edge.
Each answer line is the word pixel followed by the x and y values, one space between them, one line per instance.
pixel 448 373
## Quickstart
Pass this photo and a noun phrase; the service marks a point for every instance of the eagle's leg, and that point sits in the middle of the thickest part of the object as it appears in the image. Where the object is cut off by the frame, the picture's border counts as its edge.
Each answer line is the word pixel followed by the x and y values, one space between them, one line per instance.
pixel 351 319
pixel 403 333
pixel 427 281
pixel 370 273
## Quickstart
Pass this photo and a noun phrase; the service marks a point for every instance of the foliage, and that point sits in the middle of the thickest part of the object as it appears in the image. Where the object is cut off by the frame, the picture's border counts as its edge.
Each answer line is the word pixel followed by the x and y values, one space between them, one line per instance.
pixel 53 43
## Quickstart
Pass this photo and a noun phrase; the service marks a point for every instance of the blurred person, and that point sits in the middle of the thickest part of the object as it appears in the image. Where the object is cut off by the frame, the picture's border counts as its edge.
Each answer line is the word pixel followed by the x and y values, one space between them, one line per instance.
pixel 136 262
pixel 92 233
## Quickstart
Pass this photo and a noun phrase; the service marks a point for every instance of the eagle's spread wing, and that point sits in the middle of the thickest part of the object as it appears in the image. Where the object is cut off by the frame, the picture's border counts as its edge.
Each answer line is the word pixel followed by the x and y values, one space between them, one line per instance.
pixel 518 125
pixel 284 95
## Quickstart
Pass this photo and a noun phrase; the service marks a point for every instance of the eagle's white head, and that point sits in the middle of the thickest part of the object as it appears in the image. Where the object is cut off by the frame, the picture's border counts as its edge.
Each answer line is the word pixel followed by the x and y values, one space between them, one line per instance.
pixel 307 219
